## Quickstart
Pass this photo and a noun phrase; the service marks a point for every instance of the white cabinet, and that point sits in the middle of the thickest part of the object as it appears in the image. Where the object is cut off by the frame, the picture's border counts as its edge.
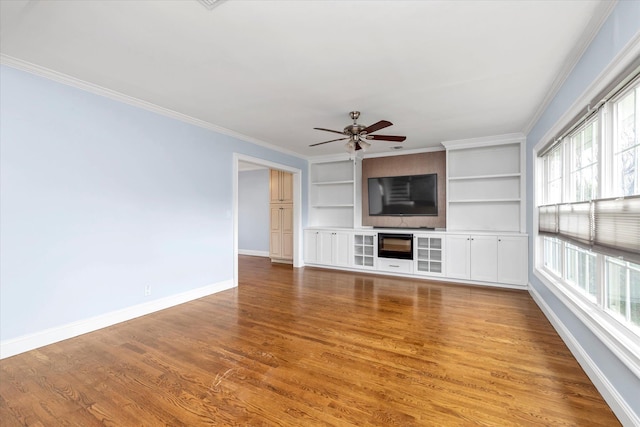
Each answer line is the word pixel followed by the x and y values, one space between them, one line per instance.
pixel 485 184
pixel 472 257
pixel 327 247
pixel 364 250
pixel 428 254
pixel 458 255
pixel 334 193
pixel 483 258
pixel 487 258
pixel 310 252
pixel 340 249
pixel 512 259
pixel 491 258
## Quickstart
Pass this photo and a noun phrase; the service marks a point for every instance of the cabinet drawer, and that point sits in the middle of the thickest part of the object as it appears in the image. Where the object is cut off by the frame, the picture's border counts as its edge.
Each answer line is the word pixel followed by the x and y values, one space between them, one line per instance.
pixel 395 265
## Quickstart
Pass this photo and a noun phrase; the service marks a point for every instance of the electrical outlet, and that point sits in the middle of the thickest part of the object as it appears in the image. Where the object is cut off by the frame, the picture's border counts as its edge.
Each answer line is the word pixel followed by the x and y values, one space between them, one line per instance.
pixel 147 290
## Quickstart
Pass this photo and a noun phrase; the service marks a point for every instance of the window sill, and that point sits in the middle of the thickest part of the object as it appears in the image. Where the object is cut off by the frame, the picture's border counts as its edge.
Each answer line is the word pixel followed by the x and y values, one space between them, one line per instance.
pixel 623 342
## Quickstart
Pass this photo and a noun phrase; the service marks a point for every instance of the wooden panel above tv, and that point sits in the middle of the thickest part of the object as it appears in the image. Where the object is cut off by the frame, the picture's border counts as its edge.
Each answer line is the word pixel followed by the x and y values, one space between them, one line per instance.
pixel 410 164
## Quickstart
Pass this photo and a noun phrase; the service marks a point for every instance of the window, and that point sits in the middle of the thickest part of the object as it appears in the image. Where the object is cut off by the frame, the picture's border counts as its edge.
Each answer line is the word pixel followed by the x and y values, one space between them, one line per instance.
pixel 589 216
pixel 552 258
pixel 580 270
pixel 583 173
pixel 626 144
pixel 623 291
pixel 553 167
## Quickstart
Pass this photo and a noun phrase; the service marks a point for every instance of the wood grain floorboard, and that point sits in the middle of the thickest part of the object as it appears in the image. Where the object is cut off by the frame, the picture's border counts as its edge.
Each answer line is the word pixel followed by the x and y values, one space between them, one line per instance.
pixel 312 347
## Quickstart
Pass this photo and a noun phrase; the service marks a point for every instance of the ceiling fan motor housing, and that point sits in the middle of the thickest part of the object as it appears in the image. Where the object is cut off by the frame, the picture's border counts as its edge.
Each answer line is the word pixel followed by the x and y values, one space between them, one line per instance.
pixel 354 129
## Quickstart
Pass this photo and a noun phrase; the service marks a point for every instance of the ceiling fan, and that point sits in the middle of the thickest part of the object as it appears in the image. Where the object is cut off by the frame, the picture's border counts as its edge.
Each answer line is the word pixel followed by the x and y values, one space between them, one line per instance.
pixel 359 134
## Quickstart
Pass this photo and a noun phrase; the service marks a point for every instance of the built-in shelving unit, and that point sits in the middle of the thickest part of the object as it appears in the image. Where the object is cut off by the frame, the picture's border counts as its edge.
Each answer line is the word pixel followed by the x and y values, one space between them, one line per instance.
pixel 485 184
pixel 484 241
pixel 333 192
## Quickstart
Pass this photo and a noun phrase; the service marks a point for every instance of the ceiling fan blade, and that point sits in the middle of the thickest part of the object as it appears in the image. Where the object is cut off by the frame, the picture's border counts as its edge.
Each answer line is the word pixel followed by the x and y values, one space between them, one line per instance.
pixel 377 126
pixel 393 138
pixel 333 140
pixel 329 130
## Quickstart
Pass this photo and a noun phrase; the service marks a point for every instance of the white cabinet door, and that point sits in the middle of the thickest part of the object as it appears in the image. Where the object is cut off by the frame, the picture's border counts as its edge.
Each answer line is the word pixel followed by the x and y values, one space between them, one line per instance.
pixel 512 259
pixel 457 250
pixel 325 247
pixel 310 246
pixel 341 246
pixel 364 250
pixel 428 254
pixel 484 258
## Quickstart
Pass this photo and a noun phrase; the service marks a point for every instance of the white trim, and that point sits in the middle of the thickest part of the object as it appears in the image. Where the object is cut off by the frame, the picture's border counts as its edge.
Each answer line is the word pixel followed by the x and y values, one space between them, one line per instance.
pixel 598 19
pixel 403 152
pixel 623 409
pixel 297 207
pixel 24 343
pixel 251 252
pixel 626 56
pixel 126 99
pixel 624 344
pixel 485 141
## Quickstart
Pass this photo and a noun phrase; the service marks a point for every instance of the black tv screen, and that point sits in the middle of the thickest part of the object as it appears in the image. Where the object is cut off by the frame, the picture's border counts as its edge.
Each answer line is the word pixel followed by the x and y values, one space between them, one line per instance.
pixel 412 195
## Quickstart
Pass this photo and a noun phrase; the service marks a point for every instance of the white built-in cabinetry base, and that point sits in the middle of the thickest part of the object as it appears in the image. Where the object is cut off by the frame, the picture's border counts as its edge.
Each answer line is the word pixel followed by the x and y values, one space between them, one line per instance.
pixel 492 259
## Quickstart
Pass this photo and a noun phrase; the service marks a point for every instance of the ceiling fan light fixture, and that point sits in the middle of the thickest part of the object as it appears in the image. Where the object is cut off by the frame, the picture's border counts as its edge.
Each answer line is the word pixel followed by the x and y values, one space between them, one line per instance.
pixel 364 145
pixel 350 146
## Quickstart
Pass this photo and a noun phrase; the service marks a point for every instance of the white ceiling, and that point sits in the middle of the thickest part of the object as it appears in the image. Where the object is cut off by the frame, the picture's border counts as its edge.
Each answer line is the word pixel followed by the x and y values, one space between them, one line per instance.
pixel 274 70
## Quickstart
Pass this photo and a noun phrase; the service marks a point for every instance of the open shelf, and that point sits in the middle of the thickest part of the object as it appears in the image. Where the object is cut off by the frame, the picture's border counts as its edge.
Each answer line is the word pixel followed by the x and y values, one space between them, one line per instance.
pixel 332 193
pixel 485 185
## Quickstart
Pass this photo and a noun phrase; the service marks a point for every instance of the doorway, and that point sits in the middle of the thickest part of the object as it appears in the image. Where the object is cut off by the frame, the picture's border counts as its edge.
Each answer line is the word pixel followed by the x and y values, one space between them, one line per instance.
pixel 240 161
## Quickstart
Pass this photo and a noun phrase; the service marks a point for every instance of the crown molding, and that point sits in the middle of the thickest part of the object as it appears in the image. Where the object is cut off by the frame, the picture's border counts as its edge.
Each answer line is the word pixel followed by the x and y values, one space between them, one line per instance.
pixel 623 59
pixel 404 152
pixel 593 27
pixel 484 141
pixel 126 99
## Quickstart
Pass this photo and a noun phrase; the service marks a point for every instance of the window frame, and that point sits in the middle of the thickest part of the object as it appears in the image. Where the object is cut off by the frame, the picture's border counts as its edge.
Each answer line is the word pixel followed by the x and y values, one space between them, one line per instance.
pixel 621 337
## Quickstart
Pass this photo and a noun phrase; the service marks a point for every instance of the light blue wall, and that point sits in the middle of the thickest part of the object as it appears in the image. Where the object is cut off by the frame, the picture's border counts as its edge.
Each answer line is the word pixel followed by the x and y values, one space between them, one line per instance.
pixel 621 26
pixel 99 199
pixel 253 210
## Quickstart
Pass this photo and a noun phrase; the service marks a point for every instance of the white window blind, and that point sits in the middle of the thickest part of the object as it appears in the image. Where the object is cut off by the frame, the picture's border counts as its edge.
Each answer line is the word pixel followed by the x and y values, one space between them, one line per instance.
pixel 617 224
pixel 574 221
pixel 548 219
pixel 609 226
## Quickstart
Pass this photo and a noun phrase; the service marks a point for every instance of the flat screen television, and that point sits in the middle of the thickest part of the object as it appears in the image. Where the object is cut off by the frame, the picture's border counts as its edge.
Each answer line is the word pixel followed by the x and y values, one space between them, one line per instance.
pixel 411 195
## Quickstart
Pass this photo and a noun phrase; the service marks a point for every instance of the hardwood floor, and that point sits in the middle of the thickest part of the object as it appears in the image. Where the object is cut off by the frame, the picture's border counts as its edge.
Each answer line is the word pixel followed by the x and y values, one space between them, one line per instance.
pixel 303 347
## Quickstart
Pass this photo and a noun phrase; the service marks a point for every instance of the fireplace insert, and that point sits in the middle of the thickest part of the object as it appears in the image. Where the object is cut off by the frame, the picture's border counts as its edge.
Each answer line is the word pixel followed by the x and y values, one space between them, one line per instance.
pixel 395 245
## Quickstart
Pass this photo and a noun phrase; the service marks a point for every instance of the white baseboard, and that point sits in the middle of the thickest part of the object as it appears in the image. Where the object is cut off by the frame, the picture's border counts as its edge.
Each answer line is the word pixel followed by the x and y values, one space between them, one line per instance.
pixel 253 253
pixel 619 406
pixel 24 343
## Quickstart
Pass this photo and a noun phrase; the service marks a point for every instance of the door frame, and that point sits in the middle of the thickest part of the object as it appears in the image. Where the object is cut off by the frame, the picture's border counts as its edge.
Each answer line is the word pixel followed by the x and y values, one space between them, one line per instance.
pixel 297 206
